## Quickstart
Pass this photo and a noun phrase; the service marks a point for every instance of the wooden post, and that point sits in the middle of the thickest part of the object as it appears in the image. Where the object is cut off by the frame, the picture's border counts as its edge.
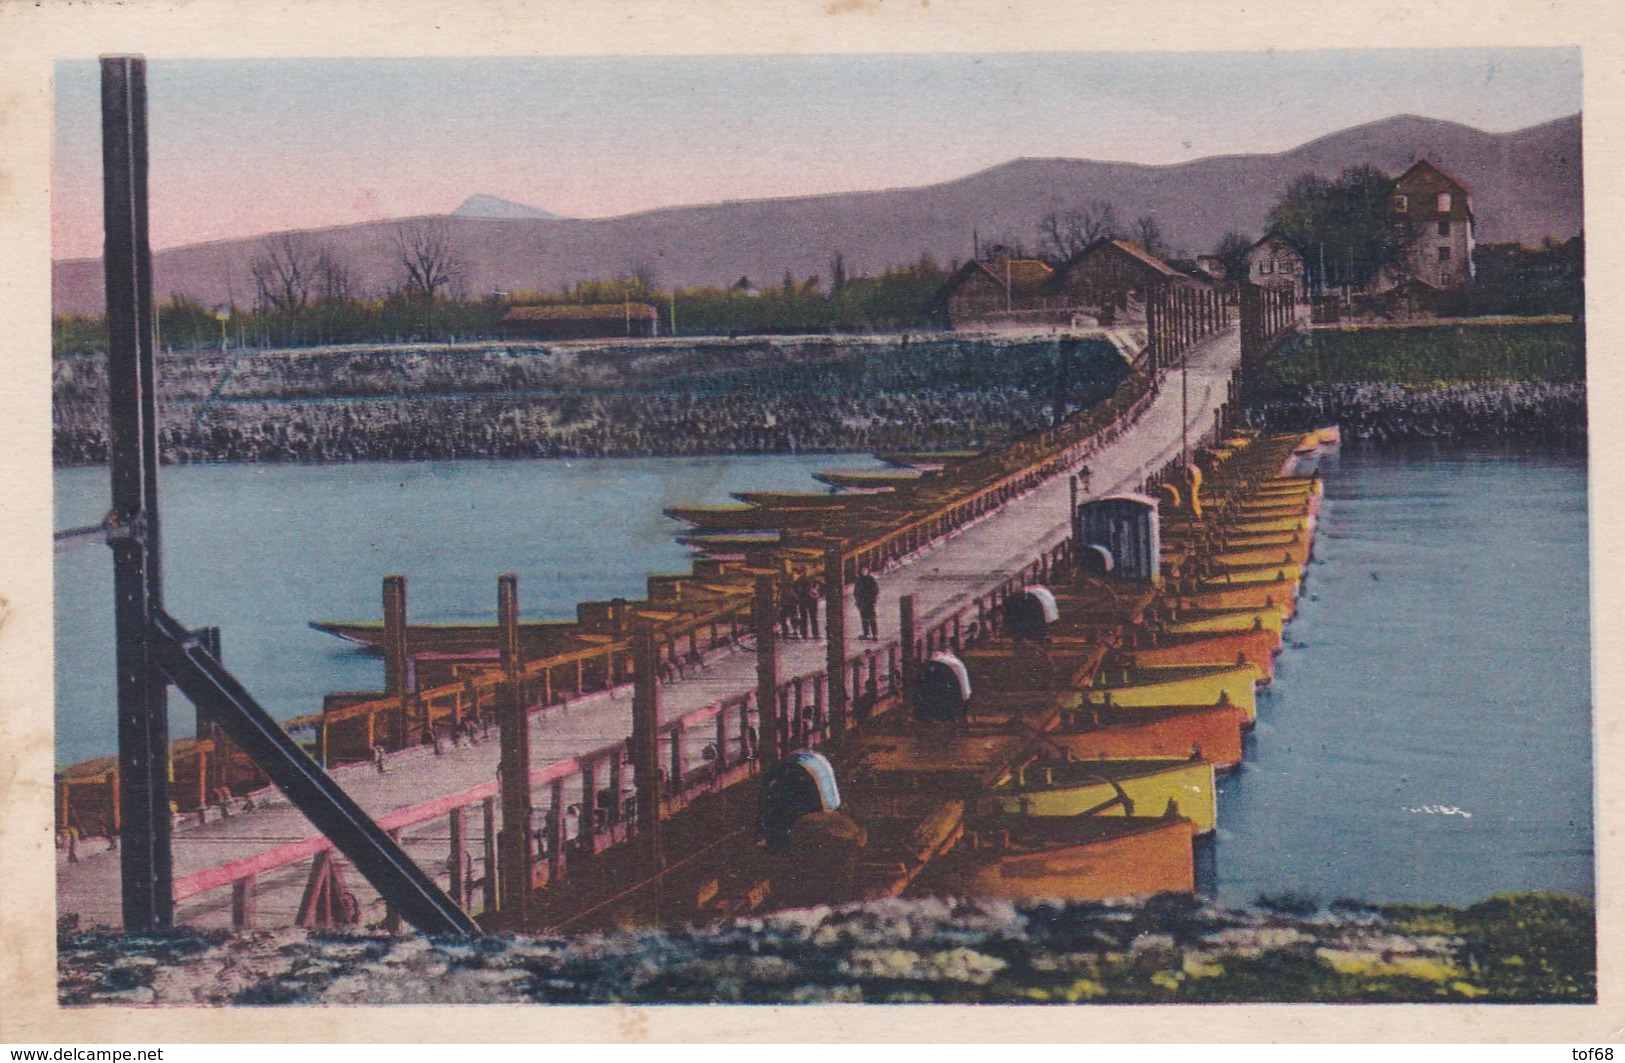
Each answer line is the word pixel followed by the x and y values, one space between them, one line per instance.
pixel 835 632
pixel 767 672
pixel 612 814
pixel 587 831
pixel 392 915
pixel 674 774
pixel 516 857
pixel 556 834
pixel 395 655
pixel 905 626
pixel 646 742
pixel 244 903
pixel 492 895
pixel 459 847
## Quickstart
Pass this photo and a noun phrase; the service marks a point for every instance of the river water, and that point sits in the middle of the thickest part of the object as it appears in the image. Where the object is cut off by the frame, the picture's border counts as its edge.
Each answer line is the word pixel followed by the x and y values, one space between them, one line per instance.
pixel 1427 736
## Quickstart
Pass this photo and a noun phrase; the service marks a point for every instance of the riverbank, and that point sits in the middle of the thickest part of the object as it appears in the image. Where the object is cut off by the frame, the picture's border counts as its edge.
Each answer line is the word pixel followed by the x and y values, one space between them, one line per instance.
pixel 606 400
pixel 1523 382
pixel 1535 412
pixel 1170 949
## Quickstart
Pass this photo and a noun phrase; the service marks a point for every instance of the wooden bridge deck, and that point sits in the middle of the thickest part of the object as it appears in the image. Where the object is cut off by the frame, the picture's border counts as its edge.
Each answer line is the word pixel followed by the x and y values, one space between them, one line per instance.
pixel 942 579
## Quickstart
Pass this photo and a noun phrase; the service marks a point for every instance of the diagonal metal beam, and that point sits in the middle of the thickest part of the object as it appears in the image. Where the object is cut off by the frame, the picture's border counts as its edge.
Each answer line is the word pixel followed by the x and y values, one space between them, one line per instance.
pixel 397 878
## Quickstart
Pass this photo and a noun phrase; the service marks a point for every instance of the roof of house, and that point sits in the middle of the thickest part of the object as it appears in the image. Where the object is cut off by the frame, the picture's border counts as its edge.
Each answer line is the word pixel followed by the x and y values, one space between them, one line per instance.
pixel 1425 164
pixel 1025 274
pixel 580 312
pixel 1196 270
pixel 1020 272
pixel 1276 238
pixel 1133 250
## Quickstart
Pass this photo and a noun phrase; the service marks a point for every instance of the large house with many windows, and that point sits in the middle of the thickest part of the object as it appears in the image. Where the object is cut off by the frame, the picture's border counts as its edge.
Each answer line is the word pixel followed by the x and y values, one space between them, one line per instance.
pixel 1431 217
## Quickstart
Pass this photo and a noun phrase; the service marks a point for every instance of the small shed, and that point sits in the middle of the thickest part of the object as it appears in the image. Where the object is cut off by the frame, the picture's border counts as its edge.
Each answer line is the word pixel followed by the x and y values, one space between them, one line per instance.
pixel 565 321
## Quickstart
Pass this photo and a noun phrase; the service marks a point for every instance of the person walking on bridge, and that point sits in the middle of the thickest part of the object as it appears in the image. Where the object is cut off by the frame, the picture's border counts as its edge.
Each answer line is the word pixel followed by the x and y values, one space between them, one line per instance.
pixel 866 594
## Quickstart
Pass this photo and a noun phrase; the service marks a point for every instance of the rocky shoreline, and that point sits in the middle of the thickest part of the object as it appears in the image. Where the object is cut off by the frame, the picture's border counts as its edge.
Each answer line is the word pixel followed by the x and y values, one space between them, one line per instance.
pixel 1171 949
pixel 1541 412
pixel 334 405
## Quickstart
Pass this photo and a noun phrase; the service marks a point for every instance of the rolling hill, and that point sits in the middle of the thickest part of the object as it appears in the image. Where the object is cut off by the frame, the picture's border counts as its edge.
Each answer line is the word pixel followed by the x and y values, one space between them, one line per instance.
pixel 1526 185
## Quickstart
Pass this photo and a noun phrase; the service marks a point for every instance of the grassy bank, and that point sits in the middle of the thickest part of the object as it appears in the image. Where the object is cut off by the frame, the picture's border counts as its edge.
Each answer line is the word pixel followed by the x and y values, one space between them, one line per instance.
pixel 1478 383
pixel 1174 949
pixel 1426 357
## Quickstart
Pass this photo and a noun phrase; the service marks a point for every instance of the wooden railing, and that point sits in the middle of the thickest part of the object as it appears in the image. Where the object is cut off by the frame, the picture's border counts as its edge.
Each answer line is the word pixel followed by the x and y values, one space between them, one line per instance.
pixel 351 727
pixel 587 804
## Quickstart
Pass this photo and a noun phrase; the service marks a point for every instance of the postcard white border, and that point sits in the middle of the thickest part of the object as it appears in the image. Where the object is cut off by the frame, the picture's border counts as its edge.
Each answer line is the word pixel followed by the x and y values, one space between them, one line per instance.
pixel 32 36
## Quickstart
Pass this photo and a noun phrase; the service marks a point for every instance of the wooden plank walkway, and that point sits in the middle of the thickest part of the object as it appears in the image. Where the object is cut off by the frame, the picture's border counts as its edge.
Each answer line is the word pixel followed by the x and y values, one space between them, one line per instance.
pixel 942 579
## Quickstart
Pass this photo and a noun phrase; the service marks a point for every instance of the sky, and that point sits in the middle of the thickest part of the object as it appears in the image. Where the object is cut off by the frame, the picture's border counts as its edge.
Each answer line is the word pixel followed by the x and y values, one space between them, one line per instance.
pixel 241 147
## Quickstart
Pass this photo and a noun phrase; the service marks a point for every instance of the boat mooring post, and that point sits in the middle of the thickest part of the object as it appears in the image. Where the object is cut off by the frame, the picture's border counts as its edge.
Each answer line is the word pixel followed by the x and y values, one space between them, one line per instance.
pixel 516 864
pixel 146 868
pixel 835 632
pixel 396 663
pixel 646 744
pixel 763 614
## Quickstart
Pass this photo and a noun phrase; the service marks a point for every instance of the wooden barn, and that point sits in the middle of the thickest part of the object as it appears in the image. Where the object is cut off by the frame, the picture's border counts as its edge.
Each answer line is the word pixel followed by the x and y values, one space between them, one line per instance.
pixel 1111 279
pixel 582 322
pixel 990 291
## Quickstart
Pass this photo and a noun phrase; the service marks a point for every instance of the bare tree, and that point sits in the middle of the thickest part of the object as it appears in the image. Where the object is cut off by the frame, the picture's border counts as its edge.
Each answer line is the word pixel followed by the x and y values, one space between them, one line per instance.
pixel 284 271
pixel 334 281
pixel 427 255
pixel 1065 234
pixel 1148 233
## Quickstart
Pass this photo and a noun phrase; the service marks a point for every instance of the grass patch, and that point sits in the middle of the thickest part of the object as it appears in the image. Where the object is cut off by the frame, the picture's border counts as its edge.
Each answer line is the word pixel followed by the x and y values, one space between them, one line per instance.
pixel 1429 356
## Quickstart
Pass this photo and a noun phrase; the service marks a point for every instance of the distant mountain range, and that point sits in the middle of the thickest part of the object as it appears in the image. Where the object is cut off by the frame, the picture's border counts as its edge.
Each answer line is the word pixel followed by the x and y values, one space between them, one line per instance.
pixel 1525 185
pixel 484 206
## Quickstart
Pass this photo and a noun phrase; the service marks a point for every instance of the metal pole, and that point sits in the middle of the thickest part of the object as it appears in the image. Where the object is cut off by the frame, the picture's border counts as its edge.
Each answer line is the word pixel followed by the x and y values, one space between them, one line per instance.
pixel 515 856
pixel 143 717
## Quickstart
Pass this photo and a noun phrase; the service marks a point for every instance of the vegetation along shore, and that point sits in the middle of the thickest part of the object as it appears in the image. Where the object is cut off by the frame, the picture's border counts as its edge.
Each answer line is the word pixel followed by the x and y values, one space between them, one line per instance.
pixel 1466 382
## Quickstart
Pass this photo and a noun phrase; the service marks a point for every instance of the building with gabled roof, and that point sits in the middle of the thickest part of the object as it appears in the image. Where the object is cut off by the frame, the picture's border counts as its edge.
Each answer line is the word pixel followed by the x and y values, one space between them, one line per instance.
pixel 986 290
pixel 1112 279
pixel 1274 262
pixel 1430 214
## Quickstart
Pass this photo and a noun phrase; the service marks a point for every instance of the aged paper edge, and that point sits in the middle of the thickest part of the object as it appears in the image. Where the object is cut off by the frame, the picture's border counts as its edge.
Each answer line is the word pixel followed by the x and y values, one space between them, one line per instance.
pixel 33 36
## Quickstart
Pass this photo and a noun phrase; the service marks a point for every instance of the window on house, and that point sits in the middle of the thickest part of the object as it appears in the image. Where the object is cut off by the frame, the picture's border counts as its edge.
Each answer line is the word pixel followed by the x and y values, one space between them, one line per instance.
pixel 1444 254
pixel 1444 228
pixel 1444 202
pixel 1401 204
pixel 1266 266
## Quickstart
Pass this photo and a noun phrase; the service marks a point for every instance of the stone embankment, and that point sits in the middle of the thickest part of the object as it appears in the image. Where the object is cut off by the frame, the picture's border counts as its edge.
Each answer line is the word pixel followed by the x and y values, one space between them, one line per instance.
pixel 494 401
pixel 1522 412
pixel 1526 947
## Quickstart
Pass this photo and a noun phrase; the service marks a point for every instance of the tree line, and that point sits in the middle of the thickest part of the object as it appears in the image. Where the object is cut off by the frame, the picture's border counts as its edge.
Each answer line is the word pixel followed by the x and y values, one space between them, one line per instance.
pixel 306 295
